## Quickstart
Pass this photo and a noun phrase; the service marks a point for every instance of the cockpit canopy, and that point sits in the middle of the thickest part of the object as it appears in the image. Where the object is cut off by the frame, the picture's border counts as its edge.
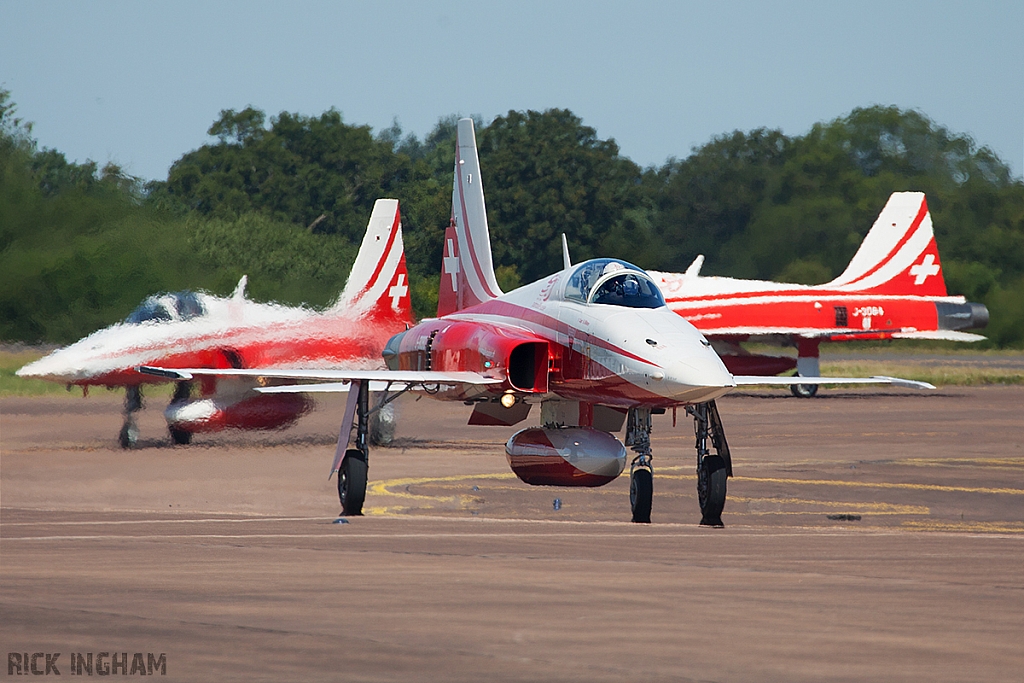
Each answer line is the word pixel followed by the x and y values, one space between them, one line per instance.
pixel 171 307
pixel 614 283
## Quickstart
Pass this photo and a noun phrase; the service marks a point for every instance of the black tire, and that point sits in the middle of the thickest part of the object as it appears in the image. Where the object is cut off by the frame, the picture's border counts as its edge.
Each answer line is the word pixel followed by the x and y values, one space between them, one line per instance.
pixel 641 495
pixel 352 483
pixel 711 480
pixel 181 437
pixel 804 390
pixel 128 436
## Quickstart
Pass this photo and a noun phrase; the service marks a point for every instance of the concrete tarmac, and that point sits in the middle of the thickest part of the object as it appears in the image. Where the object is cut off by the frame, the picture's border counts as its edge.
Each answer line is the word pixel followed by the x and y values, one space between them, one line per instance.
pixel 871 535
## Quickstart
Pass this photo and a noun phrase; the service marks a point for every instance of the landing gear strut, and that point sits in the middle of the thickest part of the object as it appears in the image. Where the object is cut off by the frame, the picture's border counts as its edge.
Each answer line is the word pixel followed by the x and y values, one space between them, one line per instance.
pixel 712 470
pixel 641 471
pixel 352 464
pixel 807 365
pixel 129 434
pixel 182 392
pixel 352 473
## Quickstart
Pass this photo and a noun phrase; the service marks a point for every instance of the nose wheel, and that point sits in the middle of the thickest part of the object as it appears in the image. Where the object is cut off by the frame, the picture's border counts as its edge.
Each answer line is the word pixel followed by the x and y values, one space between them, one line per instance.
pixel 641 471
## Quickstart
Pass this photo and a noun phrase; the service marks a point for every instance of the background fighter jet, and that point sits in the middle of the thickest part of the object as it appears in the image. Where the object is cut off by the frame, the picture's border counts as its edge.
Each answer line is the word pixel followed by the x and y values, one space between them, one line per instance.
pixel 188 329
pixel 593 344
pixel 892 289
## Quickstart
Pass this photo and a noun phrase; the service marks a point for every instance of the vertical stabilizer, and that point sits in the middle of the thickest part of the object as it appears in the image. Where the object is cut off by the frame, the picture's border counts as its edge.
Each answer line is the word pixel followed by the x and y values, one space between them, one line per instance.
pixel 378 285
pixel 899 255
pixel 476 282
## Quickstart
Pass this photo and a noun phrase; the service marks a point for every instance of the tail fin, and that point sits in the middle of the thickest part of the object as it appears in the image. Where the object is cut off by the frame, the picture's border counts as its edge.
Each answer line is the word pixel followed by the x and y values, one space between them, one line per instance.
pixel 467 277
pixel 378 285
pixel 899 255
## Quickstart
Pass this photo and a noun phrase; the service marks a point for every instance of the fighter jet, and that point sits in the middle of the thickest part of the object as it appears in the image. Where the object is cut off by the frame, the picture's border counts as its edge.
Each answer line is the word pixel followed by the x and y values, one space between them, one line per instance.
pixel 594 345
pixel 190 329
pixel 892 289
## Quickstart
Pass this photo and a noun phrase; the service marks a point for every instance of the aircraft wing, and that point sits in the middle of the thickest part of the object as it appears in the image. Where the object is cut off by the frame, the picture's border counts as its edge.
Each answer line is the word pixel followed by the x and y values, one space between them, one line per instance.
pixel 756 380
pixel 941 335
pixel 325 380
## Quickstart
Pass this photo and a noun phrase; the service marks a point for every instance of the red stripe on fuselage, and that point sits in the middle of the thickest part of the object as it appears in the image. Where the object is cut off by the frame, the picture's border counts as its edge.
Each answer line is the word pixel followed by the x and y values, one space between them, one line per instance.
pixel 830 296
pixel 518 314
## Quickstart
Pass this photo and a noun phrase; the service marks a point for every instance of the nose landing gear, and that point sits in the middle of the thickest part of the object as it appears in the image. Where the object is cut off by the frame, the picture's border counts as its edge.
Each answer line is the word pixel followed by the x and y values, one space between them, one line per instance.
pixel 641 471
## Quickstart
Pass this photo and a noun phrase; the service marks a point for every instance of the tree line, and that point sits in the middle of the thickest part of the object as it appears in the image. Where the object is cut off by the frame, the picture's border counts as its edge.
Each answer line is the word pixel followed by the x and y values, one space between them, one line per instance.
pixel 285 200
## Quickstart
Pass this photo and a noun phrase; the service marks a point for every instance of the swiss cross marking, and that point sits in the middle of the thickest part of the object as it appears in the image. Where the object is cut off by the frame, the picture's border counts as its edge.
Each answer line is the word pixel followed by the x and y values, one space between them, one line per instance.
pixel 923 270
pixel 398 290
pixel 451 265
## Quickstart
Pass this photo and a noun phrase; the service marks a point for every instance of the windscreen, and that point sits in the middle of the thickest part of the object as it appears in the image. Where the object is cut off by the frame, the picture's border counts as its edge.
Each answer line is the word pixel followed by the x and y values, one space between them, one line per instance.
pixel 167 307
pixel 629 290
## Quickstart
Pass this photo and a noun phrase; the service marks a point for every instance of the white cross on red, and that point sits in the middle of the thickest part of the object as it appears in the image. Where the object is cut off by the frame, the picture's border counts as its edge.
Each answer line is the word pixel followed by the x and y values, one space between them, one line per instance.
pixel 451 265
pixel 923 270
pixel 398 290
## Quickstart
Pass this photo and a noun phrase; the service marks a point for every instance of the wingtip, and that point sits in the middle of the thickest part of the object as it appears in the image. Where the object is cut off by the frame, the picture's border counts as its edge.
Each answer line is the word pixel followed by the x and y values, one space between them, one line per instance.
pixel 908 383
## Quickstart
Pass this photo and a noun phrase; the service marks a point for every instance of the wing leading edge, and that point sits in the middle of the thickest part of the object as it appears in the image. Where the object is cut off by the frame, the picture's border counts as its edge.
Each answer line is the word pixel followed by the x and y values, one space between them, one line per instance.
pixel 331 380
pixel 757 380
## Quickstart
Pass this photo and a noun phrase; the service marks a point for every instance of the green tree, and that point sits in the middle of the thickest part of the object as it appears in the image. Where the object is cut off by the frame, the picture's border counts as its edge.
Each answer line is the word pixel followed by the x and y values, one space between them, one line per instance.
pixel 546 173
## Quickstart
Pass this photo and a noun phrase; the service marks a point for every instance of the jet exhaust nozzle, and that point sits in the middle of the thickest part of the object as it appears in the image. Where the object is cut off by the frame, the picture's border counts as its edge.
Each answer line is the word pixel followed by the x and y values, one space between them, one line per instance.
pixel 967 316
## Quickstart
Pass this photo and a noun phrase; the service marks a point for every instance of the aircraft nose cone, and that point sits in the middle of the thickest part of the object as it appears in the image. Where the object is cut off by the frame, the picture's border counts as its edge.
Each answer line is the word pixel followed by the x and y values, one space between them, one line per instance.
pixel 691 371
pixel 700 377
pixel 54 367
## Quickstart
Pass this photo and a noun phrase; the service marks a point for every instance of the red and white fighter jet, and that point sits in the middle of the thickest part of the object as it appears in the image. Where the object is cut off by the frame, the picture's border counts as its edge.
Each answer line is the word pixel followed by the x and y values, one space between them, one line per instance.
pixel 196 330
pixel 594 345
pixel 892 289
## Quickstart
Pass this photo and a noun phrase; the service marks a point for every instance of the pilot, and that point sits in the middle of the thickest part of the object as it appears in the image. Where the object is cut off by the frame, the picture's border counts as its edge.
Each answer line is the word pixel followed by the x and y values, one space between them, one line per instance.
pixel 630 286
pixel 612 267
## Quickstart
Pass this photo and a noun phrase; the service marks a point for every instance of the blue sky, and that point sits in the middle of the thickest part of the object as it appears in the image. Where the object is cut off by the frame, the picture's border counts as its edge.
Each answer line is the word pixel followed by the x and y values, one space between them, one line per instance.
pixel 139 83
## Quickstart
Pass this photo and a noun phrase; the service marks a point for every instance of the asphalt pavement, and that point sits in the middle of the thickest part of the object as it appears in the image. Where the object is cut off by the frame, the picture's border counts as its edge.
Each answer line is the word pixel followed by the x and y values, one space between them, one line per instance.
pixel 871 535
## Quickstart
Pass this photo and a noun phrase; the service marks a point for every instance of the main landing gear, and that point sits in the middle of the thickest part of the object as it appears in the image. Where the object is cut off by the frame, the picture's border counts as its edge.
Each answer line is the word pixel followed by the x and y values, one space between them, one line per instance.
pixel 353 466
pixel 641 470
pixel 712 469
pixel 807 365
pixel 352 473
pixel 182 392
pixel 129 434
